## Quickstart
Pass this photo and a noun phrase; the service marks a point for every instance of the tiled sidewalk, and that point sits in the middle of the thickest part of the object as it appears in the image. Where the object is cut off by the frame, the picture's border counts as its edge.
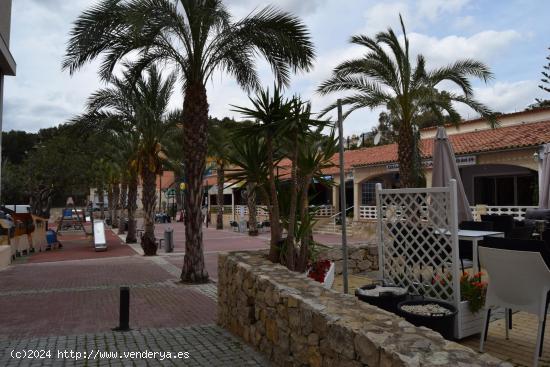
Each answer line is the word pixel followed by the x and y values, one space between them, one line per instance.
pixel 205 345
pixel 58 303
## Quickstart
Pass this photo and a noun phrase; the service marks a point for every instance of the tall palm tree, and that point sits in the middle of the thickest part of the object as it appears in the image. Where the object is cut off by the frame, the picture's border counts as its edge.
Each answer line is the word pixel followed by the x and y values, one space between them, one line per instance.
pixel 138 105
pixel 198 37
pixel 386 76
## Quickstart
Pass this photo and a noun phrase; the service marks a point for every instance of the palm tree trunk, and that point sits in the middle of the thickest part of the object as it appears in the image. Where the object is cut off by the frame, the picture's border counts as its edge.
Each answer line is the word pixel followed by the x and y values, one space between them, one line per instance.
pixel 116 204
pixel 251 201
pixel 101 198
pixel 149 203
pixel 274 217
pixel 405 154
pixel 195 140
pixel 131 236
pixel 110 202
pixel 221 182
pixel 122 204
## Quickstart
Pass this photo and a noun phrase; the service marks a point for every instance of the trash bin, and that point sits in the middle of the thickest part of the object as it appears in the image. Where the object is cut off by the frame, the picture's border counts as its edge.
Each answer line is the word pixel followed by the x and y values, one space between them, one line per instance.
pixel 169 240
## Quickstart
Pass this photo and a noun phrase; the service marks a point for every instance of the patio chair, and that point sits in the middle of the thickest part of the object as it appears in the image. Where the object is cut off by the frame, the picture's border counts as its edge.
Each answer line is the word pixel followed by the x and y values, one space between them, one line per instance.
pixel 532 215
pixel 521 233
pixel 501 223
pixel 510 266
pixel 465 247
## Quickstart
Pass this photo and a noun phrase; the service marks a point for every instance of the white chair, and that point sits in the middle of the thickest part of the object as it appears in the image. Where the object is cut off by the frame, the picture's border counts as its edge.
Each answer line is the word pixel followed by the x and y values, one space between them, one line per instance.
pixel 518 280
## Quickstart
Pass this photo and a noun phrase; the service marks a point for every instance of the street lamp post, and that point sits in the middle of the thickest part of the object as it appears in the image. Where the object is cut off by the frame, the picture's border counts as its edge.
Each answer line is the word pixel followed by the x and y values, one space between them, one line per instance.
pixel 343 196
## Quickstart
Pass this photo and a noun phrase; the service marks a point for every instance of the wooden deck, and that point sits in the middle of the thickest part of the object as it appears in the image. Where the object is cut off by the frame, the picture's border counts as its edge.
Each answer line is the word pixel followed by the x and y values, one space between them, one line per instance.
pixel 518 350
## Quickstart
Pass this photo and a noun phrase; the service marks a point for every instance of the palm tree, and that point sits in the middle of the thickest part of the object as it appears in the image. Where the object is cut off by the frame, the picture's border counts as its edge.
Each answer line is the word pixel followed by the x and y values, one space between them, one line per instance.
pixel 270 111
pixel 199 38
pixel 296 131
pixel 386 76
pixel 250 158
pixel 314 156
pixel 218 148
pixel 137 106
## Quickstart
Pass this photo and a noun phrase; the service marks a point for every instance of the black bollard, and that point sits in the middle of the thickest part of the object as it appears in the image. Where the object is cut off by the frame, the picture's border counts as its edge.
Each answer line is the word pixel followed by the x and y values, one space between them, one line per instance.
pixel 124 317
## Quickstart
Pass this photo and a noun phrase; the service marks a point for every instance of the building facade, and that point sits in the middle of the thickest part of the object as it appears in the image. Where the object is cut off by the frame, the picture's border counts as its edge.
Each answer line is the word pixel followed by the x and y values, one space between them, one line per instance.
pixel 499 167
pixel 7 62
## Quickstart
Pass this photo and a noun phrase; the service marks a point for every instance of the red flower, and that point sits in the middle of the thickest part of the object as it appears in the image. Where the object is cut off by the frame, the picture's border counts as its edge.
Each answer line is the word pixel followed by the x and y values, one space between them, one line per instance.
pixel 318 270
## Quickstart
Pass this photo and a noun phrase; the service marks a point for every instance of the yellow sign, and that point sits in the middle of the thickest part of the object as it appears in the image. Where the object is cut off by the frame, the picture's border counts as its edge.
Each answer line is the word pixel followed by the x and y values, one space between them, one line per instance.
pixel 182 186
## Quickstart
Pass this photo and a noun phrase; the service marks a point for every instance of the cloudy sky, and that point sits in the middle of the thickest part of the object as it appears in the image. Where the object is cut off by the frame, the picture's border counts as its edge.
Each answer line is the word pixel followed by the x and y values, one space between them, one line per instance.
pixel 511 36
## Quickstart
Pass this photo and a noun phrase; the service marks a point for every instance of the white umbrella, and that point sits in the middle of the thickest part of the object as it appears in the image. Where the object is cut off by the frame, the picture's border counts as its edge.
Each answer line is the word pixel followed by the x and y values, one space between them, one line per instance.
pixel 445 169
pixel 544 184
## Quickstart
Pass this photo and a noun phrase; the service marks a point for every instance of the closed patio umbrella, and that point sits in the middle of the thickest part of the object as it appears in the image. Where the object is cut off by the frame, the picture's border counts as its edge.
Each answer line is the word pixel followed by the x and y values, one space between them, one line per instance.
pixel 544 184
pixel 445 169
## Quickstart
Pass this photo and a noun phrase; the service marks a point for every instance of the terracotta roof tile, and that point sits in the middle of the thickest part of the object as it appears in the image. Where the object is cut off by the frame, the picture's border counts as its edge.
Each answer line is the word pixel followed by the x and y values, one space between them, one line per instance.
pixel 509 137
pixel 516 136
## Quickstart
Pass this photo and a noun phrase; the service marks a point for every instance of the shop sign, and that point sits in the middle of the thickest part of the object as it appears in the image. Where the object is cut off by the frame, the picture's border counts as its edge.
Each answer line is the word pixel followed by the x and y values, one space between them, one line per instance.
pixel 467 160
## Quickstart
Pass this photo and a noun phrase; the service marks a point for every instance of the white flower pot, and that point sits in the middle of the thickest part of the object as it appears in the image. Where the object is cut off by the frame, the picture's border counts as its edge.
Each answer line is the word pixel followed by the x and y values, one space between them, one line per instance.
pixel 329 276
pixel 468 323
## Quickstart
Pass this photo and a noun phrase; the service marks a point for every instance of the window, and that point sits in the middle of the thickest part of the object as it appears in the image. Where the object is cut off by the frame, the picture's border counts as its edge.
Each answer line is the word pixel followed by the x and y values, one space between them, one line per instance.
pixel 506 190
pixel 368 193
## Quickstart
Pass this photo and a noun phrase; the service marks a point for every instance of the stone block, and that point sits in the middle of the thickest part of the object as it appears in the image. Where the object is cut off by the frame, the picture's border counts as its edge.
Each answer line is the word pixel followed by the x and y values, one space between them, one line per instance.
pixel 272 330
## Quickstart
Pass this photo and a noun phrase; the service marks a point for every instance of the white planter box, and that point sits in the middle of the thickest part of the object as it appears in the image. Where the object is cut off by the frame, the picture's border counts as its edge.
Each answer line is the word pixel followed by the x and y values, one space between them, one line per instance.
pixel 329 276
pixel 468 323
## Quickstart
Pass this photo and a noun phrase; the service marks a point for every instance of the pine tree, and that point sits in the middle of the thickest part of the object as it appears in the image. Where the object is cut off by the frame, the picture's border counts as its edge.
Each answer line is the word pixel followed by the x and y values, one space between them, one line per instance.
pixel 545 86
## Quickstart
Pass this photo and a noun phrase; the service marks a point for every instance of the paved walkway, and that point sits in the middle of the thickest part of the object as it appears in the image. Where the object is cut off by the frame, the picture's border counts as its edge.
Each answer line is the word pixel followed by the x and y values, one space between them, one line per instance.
pixel 206 345
pixel 51 303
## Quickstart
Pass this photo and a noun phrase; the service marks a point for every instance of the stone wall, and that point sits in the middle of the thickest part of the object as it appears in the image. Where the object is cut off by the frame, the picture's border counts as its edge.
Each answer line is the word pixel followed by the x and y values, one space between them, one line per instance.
pixel 294 321
pixel 361 258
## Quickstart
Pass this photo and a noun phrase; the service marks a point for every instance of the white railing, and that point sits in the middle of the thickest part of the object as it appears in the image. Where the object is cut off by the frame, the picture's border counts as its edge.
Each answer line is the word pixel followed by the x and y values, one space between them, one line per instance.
pixel 337 218
pixel 325 211
pixel 261 210
pixel 367 212
pixel 518 212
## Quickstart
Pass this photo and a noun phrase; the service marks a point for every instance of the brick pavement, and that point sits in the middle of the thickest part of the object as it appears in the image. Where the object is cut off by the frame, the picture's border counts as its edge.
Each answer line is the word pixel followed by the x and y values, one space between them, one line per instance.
pixel 69 298
pixel 206 345
pixel 82 273
pixel 76 246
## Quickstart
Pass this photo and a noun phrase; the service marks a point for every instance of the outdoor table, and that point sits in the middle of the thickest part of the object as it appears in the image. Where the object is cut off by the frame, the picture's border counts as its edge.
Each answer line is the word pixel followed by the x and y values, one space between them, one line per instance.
pixel 475 237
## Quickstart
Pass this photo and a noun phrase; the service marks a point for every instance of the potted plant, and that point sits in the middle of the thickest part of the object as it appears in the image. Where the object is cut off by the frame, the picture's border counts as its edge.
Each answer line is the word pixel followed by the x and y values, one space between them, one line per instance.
pixel 434 314
pixel 322 271
pixel 472 300
pixel 383 296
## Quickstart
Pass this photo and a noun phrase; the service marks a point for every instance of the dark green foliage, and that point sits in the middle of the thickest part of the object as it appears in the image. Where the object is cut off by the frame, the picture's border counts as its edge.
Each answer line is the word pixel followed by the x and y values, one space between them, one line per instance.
pixel 60 157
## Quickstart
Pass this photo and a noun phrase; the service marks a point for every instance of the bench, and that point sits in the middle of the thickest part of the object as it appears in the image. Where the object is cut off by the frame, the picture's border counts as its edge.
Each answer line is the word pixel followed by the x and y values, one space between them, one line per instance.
pixel 158 241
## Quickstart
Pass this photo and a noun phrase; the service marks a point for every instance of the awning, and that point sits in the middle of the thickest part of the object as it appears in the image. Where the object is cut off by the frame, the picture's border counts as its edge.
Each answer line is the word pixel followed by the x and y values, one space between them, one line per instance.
pixel 227 188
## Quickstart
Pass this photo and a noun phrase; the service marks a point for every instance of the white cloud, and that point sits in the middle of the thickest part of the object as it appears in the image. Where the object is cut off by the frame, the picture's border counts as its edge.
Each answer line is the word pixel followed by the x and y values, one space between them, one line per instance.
pixel 484 46
pixel 432 9
pixel 416 14
pixel 304 7
pixel 505 96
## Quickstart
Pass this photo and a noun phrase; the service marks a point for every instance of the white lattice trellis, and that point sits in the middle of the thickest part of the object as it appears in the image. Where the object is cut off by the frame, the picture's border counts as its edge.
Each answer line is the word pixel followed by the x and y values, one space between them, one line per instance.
pixel 418 242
